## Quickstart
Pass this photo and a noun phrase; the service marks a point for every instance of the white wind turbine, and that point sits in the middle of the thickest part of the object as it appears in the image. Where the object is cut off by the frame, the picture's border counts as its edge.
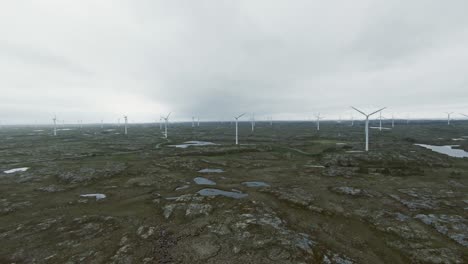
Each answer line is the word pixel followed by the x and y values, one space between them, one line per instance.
pixel 193 121
pixel 367 123
pixel 237 129
pixel 448 117
pixel 318 120
pixel 198 121
pixel 252 121
pixel 166 120
pixel 380 121
pixel 160 123
pixel 352 120
pixel 126 121
pixel 55 125
pixel 393 121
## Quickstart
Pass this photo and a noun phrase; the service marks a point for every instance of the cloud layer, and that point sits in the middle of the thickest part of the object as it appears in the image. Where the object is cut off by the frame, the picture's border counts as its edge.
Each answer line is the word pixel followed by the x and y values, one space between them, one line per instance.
pixel 94 60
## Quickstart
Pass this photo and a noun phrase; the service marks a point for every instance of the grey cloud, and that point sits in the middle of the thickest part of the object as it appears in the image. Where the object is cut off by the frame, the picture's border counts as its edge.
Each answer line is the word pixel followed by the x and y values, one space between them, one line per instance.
pixel 218 58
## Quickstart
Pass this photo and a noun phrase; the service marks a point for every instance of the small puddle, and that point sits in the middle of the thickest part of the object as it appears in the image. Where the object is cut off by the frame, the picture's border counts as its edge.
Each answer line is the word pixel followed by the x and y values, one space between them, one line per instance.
pixel 216 192
pixel 193 144
pixel 203 181
pixel 314 166
pixel 211 171
pixel 182 187
pixel 98 196
pixel 256 184
pixel 16 170
pixel 447 150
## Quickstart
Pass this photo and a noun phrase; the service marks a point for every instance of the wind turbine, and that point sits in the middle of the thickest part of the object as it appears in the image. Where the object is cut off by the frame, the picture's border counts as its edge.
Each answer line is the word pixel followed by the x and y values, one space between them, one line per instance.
pixel 367 123
pixel 252 121
pixel 102 124
pixel 393 121
pixel 160 123
pixel 352 120
pixel 318 120
pixel 193 121
pixel 380 120
pixel 126 121
pixel 448 117
pixel 198 121
pixel 166 119
pixel 237 130
pixel 55 125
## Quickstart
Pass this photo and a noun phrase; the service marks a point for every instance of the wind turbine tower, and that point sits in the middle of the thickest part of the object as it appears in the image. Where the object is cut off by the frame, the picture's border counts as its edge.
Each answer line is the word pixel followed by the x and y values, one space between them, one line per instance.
pixel 367 123
pixel 448 117
pixel 55 125
pixel 237 128
pixel 166 120
pixel 252 122
pixel 193 121
pixel 126 121
pixel 318 120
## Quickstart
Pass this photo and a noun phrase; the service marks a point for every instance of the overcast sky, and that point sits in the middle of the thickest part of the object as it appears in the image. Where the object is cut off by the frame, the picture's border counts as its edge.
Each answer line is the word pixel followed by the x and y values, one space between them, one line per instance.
pixel 101 59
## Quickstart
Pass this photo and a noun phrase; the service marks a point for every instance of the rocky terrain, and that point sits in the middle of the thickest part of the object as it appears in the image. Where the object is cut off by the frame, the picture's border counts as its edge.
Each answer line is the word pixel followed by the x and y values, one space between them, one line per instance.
pixel 287 194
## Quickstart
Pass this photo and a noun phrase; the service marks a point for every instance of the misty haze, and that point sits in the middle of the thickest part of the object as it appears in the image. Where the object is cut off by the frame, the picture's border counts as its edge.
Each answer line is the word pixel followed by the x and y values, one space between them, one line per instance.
pixel 331 132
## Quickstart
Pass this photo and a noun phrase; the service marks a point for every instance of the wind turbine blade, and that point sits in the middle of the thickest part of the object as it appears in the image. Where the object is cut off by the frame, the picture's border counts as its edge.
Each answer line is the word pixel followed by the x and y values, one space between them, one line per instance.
pixel 168 115
pixel 358 110
pixel 377 111
pixel 463 115
pixel 240 116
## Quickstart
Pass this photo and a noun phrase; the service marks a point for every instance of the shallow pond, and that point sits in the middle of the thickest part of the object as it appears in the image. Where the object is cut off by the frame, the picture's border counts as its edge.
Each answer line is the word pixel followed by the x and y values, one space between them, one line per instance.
pixel 203 181
pixel 16 170
pixel 447 150
pixel 193 144
pixel 98 196
pixel 256 184
pixel 211 171
pixel 216 192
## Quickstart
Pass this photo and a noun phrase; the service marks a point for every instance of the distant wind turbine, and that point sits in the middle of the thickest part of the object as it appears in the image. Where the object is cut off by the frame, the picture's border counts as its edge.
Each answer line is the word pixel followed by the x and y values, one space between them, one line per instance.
pixel 393 121
pixel 318 120
pixel 237 129
pixel 126 121
pixel 193 121
pixel 367 123
pixel 198 121
pixel 464 115
pixel 448 117
pixel 252 121
pixel 55 125
pixel 380 121
pixel 166 120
